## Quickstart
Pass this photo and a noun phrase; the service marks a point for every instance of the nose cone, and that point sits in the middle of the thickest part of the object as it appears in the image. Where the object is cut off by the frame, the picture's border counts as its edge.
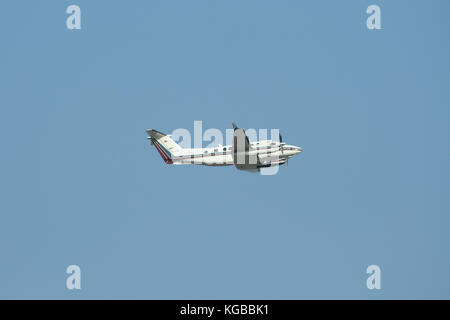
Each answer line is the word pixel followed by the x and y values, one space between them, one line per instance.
pixel 295 149
pixel 291 150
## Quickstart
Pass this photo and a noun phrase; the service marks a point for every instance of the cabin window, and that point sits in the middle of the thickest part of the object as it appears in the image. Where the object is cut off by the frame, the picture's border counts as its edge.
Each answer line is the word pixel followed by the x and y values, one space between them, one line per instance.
pixel 206 151
pixel 224 149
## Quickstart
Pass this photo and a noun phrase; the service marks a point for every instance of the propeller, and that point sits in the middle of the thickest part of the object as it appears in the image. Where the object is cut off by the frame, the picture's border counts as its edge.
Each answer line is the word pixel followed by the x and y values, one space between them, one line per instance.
pixel 280 138
pixel 281 146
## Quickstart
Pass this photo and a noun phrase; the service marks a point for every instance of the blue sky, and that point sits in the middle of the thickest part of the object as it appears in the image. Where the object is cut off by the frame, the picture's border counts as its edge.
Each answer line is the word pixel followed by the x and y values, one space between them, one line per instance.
pixel 81 185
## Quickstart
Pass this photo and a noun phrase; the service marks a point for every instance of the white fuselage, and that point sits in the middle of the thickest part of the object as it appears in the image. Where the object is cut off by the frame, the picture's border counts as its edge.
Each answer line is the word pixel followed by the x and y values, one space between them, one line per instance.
pixel 223 156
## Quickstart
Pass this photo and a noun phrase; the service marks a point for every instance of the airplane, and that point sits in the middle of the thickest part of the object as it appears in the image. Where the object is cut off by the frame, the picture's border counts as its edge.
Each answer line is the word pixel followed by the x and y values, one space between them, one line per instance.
pixel 243 154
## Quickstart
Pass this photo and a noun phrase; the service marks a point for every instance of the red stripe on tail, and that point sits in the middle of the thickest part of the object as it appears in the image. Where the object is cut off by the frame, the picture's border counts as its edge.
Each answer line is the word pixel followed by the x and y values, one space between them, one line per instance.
pixel 165 157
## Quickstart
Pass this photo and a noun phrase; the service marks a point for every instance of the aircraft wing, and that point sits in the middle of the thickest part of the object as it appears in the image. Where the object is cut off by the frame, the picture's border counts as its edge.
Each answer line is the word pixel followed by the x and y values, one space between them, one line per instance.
pixel 244 156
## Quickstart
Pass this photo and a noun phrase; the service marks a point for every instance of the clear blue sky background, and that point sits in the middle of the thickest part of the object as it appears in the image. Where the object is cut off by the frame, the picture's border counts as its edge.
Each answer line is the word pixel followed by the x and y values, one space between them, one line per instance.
pixel 81 185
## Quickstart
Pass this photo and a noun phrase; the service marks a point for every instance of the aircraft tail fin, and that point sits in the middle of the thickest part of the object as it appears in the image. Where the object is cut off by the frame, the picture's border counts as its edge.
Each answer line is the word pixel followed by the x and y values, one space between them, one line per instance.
pixel 164 144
